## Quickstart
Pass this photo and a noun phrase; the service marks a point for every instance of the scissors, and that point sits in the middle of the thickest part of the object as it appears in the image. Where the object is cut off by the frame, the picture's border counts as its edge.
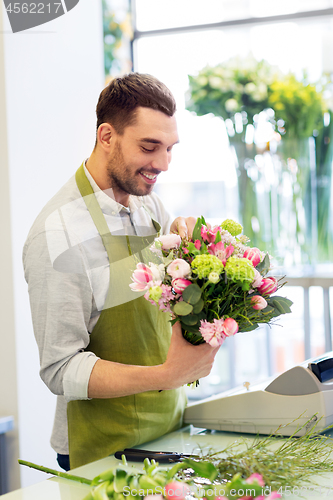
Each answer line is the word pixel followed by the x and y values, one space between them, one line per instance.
pixel 137 455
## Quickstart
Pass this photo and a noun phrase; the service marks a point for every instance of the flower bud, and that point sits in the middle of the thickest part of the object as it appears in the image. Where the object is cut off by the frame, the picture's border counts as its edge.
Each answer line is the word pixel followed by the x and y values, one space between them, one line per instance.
pixel 176 490
pixel 253 254
pixel 268 286
pixel 179 284
pixel 230 327
pixel 258 302
pixel 214 277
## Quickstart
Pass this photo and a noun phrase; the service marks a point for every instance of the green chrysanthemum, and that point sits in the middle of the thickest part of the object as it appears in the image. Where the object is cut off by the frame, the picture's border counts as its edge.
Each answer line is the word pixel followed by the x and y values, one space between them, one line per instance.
pixel 205 264
pixel 234 228
pixel 239 269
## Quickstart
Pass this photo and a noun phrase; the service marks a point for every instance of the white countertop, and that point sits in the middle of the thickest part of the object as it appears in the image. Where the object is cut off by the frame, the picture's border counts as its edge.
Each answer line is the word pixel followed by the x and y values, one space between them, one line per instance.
pixel 186 440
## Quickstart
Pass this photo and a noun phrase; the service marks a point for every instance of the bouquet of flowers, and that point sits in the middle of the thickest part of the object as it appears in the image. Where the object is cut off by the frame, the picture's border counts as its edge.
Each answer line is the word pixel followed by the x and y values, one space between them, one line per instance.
pixel 214 284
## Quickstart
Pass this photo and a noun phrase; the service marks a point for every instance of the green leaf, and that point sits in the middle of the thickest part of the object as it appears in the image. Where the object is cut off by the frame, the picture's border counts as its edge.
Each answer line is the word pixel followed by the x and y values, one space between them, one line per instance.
pixel 192 294
pixel 198 306
pixel 189 328
pixel 281 304
pixel 218 237
pixel 120 480
pixel 263 267
pixel 190 319
pixel 203 469
pixel 192 249
pixel 248 328
pixel 100 493
pixel 182 308
pixel 197 229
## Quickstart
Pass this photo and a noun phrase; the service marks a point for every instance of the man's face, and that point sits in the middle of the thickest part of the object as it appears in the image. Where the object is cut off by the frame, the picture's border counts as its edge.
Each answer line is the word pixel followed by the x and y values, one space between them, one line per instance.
pixel 141 153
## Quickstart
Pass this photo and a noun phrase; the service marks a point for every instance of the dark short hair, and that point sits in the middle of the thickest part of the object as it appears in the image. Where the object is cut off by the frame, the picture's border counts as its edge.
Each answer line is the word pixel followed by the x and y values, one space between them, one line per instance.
pixel 118 101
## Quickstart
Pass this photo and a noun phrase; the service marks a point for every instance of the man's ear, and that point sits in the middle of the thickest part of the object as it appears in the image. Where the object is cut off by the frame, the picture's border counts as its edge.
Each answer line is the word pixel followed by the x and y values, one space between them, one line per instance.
pixel 105 133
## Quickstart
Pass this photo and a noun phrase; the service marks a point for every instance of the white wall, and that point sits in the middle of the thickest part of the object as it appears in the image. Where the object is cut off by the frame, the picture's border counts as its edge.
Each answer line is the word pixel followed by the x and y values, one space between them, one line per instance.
pixel 53 76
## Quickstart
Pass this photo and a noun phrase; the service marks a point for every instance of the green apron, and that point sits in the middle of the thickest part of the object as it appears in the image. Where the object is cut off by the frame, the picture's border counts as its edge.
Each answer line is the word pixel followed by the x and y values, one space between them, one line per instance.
pixel 130 332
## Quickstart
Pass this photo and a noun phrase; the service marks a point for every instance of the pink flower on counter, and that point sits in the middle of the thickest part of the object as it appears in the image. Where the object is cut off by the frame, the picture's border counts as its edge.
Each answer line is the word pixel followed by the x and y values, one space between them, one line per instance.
pixel 271 496
pixel 213 333
pixel 179 284
pixel 268 285
pixel 222 253
pixel 179 268
pixel 230 327
pixel 253 254
pixel 170 241
pixel 176 490
pixel 258 302
pixel 141 277
pixel 255 477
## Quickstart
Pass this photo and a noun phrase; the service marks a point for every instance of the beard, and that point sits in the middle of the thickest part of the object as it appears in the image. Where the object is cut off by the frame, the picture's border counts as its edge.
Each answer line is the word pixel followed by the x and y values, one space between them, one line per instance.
pixel 123 177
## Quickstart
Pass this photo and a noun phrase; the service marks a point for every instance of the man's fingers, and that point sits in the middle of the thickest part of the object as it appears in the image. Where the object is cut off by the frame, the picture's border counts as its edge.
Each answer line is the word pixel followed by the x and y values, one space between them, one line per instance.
pixel 183 226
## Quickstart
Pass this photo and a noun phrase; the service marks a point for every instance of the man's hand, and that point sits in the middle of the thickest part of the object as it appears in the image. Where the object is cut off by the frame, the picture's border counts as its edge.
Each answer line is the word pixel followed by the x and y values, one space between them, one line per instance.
pixel 183 226
pixel 185 362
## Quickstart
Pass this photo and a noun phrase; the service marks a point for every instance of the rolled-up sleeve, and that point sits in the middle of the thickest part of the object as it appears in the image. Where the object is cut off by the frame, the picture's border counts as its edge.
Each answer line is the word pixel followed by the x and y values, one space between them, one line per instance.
pixel 61 304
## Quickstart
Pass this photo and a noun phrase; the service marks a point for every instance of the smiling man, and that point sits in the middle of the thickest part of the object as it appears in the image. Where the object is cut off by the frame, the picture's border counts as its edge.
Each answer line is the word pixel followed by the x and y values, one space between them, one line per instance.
pixel 110 356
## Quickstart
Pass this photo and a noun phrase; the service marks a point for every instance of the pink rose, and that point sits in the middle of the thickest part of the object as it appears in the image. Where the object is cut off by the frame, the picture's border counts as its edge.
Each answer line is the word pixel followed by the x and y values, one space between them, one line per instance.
pixel 258 302
pixel 253 254
pixel 176 490
pixel 197 244
pixel 268 286
pixel 179 284
pixel 179 268
pixel 170 241
pixel 230 327
pixel 141 277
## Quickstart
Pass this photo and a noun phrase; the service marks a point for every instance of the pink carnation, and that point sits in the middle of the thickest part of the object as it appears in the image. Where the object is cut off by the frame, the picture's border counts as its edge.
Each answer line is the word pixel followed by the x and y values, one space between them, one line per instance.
pixel 213 333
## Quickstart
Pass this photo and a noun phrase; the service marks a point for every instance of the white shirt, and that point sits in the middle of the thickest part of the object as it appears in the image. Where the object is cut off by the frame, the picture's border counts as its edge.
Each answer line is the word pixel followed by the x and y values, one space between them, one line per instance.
pixel 67 271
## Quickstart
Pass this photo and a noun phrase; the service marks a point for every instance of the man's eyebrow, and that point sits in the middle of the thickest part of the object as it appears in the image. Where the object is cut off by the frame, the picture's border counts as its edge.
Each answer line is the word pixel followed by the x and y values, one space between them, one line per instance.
pixel 152 141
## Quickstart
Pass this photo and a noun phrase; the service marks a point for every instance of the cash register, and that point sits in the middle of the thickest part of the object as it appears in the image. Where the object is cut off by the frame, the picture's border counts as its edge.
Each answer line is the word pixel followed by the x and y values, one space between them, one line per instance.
pixel 291 403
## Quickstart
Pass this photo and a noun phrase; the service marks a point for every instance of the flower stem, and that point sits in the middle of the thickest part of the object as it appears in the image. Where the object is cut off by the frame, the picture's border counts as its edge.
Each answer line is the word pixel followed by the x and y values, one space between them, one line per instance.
pixel 55 472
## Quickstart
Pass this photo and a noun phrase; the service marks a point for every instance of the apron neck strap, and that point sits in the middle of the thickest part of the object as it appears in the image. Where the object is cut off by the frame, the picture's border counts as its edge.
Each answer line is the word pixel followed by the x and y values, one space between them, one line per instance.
pixel 95 210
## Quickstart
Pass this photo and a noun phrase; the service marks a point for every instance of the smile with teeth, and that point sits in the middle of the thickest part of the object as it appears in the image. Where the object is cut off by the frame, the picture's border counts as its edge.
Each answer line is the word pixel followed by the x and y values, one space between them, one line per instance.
pixel 149 176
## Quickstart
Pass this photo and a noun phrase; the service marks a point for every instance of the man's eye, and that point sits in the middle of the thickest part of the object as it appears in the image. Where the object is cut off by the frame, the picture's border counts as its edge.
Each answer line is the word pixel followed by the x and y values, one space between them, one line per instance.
pixel 146 150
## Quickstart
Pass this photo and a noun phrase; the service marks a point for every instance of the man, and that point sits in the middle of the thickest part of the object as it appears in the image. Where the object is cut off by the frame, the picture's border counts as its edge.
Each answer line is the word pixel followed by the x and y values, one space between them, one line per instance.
pixel 103 350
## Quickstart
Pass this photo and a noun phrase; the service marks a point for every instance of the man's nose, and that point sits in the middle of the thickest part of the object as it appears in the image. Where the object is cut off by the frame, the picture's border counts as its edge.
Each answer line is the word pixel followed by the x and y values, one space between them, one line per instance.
pixel 161 162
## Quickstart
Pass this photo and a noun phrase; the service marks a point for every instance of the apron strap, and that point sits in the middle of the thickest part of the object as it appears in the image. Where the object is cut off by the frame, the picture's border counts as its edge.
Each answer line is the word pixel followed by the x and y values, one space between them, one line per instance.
pixel 96 213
